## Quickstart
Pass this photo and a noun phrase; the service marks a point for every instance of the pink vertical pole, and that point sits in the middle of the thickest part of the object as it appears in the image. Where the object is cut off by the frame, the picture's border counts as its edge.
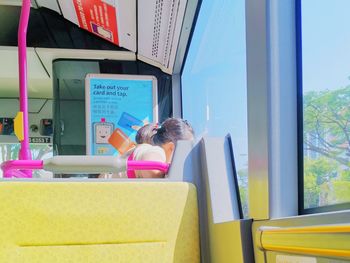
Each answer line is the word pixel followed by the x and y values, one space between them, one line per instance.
pixel 24 152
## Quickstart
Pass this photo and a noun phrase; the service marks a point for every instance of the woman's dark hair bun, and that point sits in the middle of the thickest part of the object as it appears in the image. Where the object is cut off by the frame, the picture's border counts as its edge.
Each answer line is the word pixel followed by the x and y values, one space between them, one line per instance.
pixel 172 130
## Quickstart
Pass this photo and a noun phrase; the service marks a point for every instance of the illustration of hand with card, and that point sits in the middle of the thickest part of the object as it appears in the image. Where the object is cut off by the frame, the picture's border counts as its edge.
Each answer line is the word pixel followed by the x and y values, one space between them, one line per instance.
pixel 137 127
pixel 129 122
pixel 120 141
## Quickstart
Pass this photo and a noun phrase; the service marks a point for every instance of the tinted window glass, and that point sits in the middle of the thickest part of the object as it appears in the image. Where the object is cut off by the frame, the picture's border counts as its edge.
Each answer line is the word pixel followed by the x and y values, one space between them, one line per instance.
pixel 9 151
pixel 214 79
pixel 326 100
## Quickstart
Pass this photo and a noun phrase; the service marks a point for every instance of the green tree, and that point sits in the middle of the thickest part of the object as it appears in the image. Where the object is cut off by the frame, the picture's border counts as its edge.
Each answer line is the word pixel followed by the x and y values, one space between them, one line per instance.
pixel 327 124
pixel 311 191
pixel 341 193
pixel 341 185
pixel 243 189
pixel 327 134
pixel 317 175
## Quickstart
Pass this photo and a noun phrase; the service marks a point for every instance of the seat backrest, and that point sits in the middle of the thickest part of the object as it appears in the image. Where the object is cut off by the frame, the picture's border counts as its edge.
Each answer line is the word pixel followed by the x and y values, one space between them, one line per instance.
pixel 98 222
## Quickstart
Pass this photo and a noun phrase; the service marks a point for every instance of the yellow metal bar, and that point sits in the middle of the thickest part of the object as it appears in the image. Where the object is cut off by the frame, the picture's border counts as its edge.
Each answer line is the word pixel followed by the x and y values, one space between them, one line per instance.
pixel 323 240
pixel 309 229
pixel 310 251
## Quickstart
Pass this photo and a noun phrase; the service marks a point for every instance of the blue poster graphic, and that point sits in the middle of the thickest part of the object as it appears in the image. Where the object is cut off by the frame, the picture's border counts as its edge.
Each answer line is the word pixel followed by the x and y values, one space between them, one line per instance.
pixel 118 108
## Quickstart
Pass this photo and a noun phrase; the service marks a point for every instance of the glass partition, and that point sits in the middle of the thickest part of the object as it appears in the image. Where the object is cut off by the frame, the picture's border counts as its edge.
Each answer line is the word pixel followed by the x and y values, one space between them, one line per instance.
pixel 69 98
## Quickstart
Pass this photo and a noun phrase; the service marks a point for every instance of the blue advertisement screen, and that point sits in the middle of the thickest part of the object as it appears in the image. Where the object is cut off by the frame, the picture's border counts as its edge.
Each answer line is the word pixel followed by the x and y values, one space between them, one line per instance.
pixel 118 108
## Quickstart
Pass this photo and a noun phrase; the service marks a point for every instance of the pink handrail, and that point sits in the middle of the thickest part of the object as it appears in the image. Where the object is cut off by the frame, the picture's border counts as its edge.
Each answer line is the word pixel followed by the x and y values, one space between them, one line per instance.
pixel 24 152
pixel 11 168
pixel 147 165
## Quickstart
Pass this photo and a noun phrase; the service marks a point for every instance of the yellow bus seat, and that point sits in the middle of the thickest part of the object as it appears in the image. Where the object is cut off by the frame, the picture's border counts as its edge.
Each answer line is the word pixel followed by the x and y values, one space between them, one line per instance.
pixel 98 222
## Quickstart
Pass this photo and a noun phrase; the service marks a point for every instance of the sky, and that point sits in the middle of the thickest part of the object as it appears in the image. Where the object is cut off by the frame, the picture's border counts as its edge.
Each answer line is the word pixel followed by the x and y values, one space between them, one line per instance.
pixel 325 44
pixel 214 76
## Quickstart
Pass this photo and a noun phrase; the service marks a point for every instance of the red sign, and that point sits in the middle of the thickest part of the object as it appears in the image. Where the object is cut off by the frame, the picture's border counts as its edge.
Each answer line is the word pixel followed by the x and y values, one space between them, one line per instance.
pixel 98 17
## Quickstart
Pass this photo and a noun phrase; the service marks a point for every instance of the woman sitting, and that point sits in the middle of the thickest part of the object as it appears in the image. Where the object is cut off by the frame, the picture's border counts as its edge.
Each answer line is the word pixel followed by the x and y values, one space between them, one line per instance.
pixel 161 145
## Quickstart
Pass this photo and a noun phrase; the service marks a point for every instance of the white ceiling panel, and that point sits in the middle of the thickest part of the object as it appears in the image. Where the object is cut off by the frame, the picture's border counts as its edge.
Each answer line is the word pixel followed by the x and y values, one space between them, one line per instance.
pixel 51 4
pixel 47 55
pixel 15 2
pixel 39 82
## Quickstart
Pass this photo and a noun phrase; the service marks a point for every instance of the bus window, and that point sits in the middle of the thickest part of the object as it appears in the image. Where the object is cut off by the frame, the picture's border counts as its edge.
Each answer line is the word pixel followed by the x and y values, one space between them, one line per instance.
pixel 9 151
pixel 6 126
pixel 40 129
pixel 214 80
pixel 325 104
